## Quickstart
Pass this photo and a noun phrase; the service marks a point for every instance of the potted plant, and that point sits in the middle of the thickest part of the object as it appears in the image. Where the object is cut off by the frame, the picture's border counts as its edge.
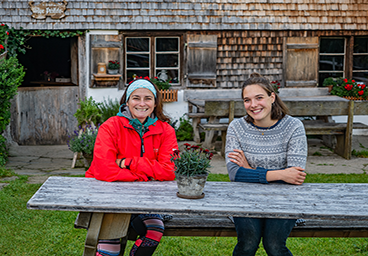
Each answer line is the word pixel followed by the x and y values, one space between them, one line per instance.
pixel 346 88
pixel 88 114
pixel 191 170
pixel 84 142
pixel 113 67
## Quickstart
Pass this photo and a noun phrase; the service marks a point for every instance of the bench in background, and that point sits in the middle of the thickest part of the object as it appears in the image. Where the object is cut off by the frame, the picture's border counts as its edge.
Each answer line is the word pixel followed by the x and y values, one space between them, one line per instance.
pixel 322 107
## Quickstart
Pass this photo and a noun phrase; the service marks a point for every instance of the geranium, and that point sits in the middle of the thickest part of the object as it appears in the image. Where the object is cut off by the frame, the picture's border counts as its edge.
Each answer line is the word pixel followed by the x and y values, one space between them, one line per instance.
pixel 193 160
pixel 4 34
pixel 113 64
pixel 344 87
pixel 276 86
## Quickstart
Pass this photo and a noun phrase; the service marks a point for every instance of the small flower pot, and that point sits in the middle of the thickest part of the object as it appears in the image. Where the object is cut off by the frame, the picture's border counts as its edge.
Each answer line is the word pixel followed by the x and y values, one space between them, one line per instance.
pixel 112 71
pixel 87 159
pixel 191 187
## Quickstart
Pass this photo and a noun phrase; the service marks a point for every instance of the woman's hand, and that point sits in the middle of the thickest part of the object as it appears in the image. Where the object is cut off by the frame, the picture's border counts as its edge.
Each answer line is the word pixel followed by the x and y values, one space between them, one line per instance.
pixel 239 158
pixel 122 164
pixel 292 175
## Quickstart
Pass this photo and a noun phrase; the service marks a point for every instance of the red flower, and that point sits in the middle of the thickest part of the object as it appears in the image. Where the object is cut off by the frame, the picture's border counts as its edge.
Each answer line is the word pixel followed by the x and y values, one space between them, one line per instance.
pixel 353 81
pixel 1 46
pixel 211 155
pixel 361 93
pixel 2 25
pixel 345 80
pixel 348 87
pixel 157 78
pixel 146 77
pixel 195 147
pixel 362 86
pixel 7 32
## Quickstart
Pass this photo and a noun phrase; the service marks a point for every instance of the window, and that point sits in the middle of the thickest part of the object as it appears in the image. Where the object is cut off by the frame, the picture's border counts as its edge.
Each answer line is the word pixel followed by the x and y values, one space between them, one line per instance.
pixel 153 56
pixel 360 58
pixel 331 58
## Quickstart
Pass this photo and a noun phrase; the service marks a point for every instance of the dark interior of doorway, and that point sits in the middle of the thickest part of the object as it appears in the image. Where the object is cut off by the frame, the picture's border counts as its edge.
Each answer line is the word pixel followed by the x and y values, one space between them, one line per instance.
pixel 48 59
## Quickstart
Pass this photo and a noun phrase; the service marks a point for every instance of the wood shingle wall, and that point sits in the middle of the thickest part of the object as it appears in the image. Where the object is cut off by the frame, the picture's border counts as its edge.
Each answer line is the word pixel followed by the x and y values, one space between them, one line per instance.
pixel 195 15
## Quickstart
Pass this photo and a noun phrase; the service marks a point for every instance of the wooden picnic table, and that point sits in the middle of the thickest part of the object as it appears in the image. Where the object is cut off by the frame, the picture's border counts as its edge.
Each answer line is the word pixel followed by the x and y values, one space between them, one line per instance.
pixel 310 200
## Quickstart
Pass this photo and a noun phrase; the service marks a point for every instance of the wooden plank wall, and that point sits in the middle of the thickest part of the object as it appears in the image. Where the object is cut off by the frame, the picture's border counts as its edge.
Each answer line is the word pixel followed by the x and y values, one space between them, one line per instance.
pixel 242 52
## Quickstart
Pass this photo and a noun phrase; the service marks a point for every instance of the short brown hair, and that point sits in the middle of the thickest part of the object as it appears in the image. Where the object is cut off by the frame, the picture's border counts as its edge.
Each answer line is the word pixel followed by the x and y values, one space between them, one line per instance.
pixel 279 109
pixel 159 111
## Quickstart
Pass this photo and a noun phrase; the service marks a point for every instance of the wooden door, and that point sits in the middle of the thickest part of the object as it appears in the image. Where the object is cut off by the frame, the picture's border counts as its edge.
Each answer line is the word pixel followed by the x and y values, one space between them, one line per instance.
pixel 300 64
pixel 201 60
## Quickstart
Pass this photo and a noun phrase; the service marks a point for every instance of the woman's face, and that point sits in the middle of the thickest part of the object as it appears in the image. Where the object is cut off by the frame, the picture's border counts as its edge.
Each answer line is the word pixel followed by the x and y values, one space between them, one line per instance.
pixel 258 104
pixel 141 104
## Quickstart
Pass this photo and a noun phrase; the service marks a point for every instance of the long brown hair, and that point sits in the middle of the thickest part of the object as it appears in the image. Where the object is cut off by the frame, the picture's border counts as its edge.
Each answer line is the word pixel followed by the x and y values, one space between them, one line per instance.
pixel 159 111
pixel 279 109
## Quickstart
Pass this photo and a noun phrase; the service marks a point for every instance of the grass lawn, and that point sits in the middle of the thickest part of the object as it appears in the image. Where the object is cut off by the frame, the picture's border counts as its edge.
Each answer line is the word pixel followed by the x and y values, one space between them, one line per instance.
pixel 33 232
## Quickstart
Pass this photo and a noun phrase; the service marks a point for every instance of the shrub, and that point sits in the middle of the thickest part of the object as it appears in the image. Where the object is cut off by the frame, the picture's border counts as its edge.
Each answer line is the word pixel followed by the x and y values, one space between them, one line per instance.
pixel 3 151
pixel 88 112
pixel 109 108
pixel 11 76
pixel 185 130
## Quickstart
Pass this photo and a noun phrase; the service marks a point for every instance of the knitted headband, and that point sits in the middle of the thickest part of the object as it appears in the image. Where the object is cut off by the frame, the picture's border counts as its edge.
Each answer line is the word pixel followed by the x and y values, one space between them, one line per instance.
pixel 138 84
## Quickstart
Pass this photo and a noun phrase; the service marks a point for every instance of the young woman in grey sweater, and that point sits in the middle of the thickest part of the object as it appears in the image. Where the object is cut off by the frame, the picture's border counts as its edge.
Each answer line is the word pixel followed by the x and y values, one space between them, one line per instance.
pixel 265 146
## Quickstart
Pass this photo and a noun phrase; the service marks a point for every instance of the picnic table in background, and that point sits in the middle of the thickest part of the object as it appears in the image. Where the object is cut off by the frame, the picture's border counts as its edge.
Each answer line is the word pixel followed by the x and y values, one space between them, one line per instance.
pixel 322 108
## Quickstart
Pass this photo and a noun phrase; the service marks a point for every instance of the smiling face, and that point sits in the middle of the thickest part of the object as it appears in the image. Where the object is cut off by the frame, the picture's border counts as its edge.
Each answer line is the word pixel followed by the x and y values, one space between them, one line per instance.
pixel 141 104
pixel 258 104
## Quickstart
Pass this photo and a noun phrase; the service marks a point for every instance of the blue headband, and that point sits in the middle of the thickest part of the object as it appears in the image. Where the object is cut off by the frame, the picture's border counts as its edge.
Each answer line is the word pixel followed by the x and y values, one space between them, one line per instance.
pixel 138 84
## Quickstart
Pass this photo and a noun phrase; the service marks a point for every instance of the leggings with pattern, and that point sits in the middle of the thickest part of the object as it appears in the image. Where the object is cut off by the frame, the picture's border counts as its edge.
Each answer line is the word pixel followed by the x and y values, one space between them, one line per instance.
pixel 150 229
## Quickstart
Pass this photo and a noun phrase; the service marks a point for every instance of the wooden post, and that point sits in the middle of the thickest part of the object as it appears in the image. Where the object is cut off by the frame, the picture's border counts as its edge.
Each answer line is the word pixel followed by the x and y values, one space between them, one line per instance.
pixel 343 143
pixel 105 226
pixel 349 131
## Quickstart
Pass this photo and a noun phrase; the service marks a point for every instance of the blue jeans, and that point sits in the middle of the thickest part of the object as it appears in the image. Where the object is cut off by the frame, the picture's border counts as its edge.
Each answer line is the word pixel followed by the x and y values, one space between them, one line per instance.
pixel 274 233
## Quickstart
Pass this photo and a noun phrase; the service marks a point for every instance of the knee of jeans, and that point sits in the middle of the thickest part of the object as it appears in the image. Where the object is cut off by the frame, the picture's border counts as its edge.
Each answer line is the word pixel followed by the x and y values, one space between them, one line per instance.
pixel 275 247
pixel 247 246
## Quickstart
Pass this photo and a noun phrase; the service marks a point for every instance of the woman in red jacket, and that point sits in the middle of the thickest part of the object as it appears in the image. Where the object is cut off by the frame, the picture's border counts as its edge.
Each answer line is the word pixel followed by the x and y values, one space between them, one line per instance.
pixel 136 145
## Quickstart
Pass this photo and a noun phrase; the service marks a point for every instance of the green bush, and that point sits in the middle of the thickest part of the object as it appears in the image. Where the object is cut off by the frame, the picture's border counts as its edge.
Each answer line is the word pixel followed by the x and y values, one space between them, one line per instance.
pixel 88 112
pixel 185 130
pixel 109 108
pixel 3 151
pixel 11 76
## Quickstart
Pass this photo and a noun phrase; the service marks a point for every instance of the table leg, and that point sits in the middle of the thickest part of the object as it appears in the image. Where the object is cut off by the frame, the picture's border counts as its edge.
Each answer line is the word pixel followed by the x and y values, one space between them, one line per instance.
pixel 105 226
pixel 195 122
pixel 211 135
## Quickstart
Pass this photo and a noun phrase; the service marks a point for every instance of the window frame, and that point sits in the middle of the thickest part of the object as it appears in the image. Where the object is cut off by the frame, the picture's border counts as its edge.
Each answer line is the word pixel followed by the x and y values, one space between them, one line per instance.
pixel 153 55
pixel 343 71
pixel 358 54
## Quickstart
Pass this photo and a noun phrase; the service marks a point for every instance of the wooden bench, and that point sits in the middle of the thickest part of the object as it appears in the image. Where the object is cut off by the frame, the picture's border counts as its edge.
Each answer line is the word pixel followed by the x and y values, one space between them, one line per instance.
pixel 208 226
pixel 321 107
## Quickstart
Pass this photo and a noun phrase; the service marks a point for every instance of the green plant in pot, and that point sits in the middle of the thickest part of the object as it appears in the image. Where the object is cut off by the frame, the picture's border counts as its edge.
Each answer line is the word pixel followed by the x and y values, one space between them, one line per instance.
pixel 88 115
pixel 84 142
pixel 191 170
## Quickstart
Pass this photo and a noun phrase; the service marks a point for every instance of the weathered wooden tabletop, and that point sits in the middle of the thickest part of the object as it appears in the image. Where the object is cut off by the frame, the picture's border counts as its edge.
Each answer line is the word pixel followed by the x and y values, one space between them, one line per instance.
pixel 310 200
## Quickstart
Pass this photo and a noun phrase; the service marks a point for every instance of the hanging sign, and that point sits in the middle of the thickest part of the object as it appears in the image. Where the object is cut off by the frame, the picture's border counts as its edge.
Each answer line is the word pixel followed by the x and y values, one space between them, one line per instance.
pixel 54 10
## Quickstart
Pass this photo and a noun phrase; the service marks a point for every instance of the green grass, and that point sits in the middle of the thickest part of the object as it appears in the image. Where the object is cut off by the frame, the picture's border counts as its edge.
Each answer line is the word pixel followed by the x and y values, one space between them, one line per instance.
pixel 33 232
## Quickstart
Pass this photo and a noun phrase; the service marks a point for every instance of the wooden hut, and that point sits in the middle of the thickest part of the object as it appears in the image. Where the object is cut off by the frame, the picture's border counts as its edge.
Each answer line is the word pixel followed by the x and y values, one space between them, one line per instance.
pixel 202 46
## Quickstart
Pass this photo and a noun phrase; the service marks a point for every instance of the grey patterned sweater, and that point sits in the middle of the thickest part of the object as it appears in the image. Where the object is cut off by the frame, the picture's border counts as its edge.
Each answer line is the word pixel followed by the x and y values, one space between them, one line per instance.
pixel 282 145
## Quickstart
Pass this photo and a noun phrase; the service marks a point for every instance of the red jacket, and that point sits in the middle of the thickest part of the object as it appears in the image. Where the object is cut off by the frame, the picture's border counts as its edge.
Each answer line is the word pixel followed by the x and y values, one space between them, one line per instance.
pixel 117 139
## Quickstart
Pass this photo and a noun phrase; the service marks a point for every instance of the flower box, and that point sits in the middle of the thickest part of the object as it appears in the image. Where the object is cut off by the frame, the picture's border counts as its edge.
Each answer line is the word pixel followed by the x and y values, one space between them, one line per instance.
pixel 169 95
